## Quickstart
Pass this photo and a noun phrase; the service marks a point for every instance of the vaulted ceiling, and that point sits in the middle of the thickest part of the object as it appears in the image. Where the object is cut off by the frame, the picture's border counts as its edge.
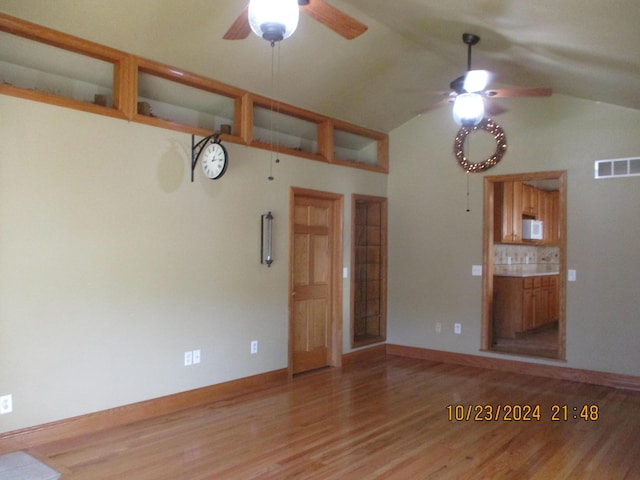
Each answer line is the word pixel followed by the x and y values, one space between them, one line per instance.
pixel 401 66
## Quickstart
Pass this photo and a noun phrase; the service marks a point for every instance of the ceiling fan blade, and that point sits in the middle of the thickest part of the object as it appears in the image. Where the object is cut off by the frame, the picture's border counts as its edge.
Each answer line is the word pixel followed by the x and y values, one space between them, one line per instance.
pixel 336 20
pixel 240 29
pixel 492 109
pixel 435 106
pixel 518 92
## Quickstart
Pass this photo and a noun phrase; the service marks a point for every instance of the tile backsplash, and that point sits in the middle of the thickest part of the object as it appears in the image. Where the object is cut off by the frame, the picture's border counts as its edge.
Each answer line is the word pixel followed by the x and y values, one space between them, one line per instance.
pixel 525 254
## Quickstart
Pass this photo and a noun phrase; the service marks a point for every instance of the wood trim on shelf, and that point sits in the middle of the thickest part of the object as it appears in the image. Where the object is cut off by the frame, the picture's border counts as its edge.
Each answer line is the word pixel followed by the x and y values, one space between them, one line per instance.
pixel 56 100
pixel 125 89
pixel 39 33
pixel 105 419
pixel 615 380
pixel 187 78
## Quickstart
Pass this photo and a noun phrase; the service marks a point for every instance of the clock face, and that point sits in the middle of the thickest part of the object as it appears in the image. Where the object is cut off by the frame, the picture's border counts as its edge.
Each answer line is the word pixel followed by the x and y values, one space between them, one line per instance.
pixel 214 160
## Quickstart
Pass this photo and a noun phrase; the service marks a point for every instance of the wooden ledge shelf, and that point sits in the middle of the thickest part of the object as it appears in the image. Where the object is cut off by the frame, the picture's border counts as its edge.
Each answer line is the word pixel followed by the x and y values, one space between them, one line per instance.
pixel 143 91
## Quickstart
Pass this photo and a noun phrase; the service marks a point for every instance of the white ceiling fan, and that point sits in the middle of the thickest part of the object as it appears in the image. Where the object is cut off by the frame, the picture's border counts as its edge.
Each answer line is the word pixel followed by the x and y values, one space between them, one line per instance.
pixel 469 92
pixel 338 21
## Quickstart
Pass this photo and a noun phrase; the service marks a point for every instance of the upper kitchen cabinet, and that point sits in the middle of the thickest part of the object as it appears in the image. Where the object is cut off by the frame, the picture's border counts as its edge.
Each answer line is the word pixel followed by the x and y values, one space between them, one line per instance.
pixel 517 201
pixel 531 197
pixel 508 212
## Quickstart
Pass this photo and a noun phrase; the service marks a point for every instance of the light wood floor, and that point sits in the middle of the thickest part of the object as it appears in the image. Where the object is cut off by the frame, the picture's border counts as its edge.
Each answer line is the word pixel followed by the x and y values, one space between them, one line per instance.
pixel 542 343
pixel 386 418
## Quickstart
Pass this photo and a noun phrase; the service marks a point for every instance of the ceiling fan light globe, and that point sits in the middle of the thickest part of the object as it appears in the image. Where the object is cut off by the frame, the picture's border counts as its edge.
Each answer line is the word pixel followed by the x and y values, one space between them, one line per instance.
pixel 475 81
pixel 273 20
pixel 468 109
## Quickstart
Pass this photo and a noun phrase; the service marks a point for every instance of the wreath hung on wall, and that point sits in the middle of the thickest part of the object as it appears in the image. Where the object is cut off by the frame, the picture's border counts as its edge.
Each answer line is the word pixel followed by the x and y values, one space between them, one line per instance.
pixel 489 126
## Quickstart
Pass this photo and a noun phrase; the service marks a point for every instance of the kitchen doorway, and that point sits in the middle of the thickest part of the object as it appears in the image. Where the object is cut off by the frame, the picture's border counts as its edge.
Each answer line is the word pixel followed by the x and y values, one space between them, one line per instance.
pixel 524 264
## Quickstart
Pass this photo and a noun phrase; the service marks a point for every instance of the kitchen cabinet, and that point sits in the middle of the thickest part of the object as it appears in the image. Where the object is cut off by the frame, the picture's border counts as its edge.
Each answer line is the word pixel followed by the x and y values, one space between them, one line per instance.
pixel 508 212
pixel 531 199
pixel 515 201
pixel 524 304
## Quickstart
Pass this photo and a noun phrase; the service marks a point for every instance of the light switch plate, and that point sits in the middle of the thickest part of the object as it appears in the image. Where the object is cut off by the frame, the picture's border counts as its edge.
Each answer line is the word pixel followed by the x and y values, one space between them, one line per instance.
pixel 476 270
pixel 571 275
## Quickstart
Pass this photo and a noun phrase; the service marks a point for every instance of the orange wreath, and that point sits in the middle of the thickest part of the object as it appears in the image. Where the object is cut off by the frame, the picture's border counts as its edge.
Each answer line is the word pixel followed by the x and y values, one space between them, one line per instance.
pixel 494 129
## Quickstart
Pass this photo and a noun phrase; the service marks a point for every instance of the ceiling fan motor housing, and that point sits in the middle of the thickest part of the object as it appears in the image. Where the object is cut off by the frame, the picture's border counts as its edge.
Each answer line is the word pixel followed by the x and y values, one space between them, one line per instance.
pixel 470 38
pixel 272 31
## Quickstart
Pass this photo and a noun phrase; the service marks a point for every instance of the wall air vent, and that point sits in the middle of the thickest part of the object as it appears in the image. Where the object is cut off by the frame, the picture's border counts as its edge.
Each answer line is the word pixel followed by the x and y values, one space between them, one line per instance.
pixel 617 167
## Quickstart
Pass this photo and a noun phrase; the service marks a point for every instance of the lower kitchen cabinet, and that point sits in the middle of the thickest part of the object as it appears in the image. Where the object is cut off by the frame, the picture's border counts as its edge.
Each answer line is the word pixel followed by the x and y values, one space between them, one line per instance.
pixel 523 304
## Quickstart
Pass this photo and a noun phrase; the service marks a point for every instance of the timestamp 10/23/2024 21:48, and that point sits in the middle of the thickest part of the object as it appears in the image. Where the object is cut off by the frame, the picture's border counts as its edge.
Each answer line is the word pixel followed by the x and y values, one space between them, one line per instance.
pixel 522 413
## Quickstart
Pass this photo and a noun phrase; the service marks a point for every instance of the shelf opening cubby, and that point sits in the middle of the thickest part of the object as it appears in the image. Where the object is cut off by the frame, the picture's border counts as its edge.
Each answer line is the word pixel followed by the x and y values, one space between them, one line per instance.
pixel 164 101
pixel 276 126
pixel 44 72
pixel 356 146
pixel 281 130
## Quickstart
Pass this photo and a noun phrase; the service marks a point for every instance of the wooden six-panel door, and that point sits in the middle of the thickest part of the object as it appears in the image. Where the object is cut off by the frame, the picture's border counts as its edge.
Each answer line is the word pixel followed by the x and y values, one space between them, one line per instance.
pixel 314 324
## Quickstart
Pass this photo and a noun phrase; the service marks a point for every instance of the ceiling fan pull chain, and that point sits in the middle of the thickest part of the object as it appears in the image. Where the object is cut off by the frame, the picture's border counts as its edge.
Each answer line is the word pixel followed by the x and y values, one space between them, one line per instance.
pixel 274 108
pixel 468 203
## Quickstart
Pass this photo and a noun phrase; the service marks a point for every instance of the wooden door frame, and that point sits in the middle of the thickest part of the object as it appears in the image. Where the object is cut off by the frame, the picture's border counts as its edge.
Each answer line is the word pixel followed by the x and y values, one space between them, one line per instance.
pixel 487 254
pixel 337 228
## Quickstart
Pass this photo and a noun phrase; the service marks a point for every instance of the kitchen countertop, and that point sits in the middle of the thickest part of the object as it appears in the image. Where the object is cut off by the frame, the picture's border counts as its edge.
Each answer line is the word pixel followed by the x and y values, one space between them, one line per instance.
pixel 530 270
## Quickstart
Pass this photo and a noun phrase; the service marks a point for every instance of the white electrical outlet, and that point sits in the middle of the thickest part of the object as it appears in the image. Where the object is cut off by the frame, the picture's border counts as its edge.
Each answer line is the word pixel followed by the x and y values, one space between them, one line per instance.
pixel 254 347
pixel 457 328
pixel 6 404
pixel 188 358
pixel 196 356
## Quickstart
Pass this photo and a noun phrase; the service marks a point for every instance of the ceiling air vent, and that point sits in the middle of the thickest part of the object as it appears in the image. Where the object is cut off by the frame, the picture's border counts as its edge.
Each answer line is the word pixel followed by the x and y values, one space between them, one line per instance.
pixel 617 167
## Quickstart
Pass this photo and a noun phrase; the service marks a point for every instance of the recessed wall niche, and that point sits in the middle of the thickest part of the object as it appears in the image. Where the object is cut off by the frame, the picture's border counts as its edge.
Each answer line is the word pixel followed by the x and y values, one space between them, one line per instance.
pixel 369 270
pixel 45 65
pixel 53 71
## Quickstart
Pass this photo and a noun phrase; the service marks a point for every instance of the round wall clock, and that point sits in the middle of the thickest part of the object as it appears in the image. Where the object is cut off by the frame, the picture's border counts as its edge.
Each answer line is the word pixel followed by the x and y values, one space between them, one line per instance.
pixel 212 155
pixel 214 160
pixel 489 126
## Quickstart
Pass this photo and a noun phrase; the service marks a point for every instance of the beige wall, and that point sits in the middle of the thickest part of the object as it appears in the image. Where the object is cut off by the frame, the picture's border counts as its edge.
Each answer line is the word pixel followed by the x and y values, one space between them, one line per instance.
pixel 434 241
pixel 113 264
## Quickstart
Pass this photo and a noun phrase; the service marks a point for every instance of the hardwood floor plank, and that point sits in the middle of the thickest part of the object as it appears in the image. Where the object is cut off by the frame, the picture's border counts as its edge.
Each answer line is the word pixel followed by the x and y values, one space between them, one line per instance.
pixel 386 418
